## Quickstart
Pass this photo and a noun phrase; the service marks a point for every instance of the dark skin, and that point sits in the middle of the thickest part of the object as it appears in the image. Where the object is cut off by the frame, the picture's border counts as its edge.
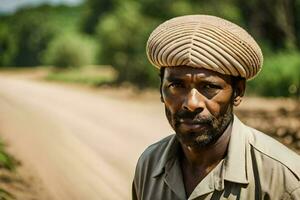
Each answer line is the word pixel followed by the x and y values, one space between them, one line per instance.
pixel 199 104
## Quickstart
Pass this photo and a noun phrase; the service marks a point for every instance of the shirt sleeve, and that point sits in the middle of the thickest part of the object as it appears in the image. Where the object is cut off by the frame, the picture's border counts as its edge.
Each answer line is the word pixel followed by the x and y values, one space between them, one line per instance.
pixel 134 195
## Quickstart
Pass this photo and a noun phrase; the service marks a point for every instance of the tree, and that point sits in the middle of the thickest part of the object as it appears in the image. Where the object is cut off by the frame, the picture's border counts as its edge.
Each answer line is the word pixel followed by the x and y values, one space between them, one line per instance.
pixel 272 21
pixel 7 47
pixel 93 10
pixel 123 36
pixel 69 50
pixel 31 33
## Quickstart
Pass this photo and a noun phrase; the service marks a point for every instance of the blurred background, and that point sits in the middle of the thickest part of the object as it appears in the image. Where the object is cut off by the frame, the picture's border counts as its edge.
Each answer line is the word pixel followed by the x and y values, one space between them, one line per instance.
pixel 77 33
pixel 100 45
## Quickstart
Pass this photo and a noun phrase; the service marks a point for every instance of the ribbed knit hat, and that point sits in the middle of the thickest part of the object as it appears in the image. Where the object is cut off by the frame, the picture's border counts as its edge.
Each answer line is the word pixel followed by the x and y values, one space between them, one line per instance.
pixel 204 41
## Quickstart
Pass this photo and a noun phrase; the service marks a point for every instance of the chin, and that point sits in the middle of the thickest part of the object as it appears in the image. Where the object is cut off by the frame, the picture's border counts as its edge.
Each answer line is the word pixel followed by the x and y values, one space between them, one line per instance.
pixel 191 138
pixel 196 139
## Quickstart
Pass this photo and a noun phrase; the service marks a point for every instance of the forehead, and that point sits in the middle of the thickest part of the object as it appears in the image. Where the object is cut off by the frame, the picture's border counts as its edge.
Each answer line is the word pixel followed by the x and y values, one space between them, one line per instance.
pixel 187 73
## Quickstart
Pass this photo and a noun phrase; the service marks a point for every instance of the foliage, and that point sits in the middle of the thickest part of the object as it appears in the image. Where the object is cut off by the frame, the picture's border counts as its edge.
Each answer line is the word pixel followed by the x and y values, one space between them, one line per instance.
pixel 280 76
pixel 6 160
pixel 123 38
pixel 69 50
pixel 31 35
pixel 93 10
pixel 276 22
pixel 90 75
pixel 25 35
pixel 166 9
pixel 5 195
pixel 7 47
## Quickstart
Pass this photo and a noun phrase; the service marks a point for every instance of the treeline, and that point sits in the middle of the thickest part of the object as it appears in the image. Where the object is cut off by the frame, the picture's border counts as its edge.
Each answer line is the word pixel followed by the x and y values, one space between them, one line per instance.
pixel 44 35
pixel 115 32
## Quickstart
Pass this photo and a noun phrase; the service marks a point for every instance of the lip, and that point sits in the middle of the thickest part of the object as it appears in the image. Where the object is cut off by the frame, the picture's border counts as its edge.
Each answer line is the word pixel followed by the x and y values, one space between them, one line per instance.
pixel 192 124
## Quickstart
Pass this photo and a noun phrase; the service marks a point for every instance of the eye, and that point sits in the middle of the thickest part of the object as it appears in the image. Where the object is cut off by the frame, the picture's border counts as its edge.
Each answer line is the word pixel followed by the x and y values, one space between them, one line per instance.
pixel 176 85
pixel 212 86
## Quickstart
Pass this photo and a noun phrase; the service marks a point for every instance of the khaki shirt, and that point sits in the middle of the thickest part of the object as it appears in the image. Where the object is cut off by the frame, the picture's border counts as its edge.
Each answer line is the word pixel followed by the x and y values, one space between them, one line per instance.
pixel 255 167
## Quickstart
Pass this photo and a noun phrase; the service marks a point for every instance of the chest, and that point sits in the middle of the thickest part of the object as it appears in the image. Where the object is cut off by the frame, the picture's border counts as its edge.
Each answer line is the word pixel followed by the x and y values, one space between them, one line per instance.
pixel 161 189
pixel 192 178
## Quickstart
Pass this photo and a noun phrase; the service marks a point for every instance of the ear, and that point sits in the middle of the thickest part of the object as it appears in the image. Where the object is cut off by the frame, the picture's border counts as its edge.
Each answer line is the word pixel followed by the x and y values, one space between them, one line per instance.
pixel 238 91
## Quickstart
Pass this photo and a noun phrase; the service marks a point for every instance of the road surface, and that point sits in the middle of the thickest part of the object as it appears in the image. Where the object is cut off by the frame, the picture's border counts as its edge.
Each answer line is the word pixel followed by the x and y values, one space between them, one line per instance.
pixel 82 144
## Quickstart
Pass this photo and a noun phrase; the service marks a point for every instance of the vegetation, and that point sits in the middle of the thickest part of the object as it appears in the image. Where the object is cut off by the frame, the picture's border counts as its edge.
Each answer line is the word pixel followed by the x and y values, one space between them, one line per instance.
pixel 89 75
pixel 26 35
pixel 280 76
pixel 7 162
pixel 123 44
pixel 69 50
pixel 114 32
pixel 4 195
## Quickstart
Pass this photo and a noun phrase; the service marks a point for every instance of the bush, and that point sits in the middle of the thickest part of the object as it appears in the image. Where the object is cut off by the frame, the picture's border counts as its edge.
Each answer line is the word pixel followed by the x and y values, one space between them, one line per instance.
pixel 280 76
pixel 31 34
pixel 93 10
pixel 26 34
pixel 6 45
pixel 123 36
pixel 69 51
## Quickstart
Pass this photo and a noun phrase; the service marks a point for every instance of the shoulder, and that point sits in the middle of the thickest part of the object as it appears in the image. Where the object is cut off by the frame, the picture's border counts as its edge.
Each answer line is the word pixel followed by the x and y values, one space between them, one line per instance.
pixel 275 159
pixel 154 155
pixel 151 162
pixel 276 151
pixel 155 151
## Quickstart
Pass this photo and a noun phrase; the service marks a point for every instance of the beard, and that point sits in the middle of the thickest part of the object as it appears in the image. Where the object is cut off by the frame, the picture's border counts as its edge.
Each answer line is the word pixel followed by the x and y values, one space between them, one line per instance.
pixel 211 127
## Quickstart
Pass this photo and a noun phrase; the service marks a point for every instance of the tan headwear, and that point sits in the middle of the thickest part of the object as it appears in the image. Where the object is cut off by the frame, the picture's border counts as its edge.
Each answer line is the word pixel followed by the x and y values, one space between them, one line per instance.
pixel 205 41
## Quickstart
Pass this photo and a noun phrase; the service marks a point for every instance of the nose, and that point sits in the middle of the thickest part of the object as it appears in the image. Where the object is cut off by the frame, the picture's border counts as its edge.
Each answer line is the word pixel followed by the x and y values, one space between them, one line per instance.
pixel 194 101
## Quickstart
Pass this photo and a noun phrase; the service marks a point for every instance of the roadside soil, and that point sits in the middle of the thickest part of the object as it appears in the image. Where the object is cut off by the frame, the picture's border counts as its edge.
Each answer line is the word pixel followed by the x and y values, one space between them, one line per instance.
pixel 22 184
pixel 76 142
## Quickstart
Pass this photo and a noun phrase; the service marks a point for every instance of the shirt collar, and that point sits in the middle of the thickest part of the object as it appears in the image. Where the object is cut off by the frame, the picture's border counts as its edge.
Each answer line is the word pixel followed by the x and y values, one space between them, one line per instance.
pixel 234 163
pixel 236 159
pixel 169 154
pixel 169 167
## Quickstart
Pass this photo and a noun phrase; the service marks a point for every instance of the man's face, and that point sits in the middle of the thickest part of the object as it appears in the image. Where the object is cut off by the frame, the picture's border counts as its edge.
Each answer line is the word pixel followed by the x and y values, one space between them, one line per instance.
pixel 198 104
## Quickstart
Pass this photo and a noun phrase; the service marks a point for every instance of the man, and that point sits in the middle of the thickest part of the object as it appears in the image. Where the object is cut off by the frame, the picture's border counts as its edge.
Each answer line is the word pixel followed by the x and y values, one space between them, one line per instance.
pixel 204 63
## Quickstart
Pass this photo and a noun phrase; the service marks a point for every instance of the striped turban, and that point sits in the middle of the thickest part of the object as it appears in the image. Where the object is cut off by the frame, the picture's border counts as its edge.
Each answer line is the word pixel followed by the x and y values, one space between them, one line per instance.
pixel 204 41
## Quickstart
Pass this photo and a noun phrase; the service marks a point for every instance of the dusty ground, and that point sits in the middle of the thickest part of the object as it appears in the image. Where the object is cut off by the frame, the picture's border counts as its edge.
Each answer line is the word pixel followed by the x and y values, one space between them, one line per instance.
pixel 83 143
pixel 22 184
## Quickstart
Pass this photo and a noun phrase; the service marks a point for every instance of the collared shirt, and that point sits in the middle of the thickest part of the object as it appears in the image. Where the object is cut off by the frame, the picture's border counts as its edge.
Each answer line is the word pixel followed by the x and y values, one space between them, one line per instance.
pixel 255 167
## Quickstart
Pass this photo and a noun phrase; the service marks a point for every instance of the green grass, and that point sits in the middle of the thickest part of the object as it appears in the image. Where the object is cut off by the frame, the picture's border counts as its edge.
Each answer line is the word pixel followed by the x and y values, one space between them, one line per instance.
pixel 7 162
pixel 93 76
pixel 280 76
pixel 4 195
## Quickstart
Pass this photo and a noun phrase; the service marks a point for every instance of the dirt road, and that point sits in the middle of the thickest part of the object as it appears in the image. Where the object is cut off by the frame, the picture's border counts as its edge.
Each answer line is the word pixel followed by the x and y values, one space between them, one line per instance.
pixel 82 144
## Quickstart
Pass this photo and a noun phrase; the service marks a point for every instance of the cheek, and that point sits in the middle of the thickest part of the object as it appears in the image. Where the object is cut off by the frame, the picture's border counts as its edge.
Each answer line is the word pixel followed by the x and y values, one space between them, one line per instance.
pixel 218 108
pixel 219 104
pixel 171 105
pixel 172 102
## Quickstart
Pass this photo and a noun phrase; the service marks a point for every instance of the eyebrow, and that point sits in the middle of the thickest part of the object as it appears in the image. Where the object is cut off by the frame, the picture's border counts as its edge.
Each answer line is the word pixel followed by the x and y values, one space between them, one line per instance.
pixel 183 78
pixel 175 79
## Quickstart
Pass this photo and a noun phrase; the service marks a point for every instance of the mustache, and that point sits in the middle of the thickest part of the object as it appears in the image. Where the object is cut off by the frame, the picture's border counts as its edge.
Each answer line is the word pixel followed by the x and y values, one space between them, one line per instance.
pixel 183 114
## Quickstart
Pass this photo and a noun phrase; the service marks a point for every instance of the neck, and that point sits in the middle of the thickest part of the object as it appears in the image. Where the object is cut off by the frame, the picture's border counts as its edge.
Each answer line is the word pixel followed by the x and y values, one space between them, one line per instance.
pixel 206 157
